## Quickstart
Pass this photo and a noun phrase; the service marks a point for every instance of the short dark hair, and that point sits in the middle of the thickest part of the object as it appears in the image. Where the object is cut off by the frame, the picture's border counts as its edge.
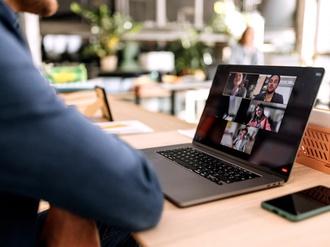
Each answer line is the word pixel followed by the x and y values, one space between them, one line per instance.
pixel 260 105
pixel 245 129
pixel 279 77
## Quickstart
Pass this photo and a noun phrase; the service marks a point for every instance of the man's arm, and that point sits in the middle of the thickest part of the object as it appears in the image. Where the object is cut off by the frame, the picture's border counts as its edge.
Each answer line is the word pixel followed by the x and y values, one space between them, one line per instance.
pixel 51 152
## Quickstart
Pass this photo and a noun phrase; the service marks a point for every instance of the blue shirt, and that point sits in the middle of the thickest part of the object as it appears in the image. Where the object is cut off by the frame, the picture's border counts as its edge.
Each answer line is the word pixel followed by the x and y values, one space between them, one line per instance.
pixel 52 152
pixel 243 55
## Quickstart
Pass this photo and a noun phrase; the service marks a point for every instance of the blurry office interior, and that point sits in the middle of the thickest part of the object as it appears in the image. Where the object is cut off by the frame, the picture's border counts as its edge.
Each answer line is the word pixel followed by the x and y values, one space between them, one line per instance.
pixel 289 32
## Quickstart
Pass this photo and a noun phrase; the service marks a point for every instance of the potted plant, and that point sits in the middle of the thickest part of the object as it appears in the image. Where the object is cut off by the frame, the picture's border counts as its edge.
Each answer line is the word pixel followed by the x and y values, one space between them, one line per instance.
pixel 107 30
pixel 190 54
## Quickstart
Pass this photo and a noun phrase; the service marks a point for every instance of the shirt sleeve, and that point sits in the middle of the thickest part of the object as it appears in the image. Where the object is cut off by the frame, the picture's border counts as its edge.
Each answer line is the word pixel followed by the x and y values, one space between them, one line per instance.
pixel 52 152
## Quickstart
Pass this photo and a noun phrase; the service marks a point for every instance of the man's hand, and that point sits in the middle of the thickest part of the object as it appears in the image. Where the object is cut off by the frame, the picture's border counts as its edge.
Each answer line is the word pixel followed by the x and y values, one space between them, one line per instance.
pixel 64 229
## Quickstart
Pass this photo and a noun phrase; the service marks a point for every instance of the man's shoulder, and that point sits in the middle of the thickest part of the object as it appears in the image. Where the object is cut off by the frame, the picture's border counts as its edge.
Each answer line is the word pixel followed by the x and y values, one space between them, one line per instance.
pixel 6 14
pixel 278 97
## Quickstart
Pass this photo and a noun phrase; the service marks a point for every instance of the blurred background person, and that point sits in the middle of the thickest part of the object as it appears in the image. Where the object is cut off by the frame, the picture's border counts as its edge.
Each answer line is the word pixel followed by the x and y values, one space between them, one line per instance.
pixel 245 51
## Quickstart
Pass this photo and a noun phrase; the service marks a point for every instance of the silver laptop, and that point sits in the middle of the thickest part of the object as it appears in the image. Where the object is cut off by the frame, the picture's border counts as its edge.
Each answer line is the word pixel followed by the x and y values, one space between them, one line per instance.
pixel 247 137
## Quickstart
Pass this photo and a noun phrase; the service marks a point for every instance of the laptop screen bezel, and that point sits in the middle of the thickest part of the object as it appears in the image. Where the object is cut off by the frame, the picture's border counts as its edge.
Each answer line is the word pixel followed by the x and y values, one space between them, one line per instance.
pixel 273 151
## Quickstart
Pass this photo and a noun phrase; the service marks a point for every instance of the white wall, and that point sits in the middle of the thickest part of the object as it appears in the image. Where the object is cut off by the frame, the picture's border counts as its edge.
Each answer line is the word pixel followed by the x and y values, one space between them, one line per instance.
pixel 31 28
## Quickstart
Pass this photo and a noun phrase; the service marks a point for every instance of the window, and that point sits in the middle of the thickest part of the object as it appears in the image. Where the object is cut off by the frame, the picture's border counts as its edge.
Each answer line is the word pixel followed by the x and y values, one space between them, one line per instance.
pixel 168 13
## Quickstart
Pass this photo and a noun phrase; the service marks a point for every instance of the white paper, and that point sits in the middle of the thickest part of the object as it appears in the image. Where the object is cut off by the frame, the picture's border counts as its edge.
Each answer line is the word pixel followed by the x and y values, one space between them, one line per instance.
pixel 189 133
pixel 124 127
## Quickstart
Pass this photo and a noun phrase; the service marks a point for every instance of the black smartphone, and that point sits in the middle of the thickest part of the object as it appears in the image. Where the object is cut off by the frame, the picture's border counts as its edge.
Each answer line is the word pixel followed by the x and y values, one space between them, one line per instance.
pixel 300 205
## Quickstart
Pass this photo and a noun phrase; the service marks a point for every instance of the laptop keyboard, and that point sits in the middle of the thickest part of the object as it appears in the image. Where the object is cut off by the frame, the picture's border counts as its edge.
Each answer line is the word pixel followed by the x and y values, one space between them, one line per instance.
pixel 215 170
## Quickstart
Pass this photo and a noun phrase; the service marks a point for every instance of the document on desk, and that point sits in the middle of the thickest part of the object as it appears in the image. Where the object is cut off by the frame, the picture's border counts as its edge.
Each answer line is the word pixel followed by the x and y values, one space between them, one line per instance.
pixel 124 127
pixel 189 133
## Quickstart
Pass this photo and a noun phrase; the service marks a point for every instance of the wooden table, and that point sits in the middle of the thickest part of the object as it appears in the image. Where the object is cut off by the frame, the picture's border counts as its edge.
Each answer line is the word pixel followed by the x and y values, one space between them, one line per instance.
pixel 123 110
pixel 236 221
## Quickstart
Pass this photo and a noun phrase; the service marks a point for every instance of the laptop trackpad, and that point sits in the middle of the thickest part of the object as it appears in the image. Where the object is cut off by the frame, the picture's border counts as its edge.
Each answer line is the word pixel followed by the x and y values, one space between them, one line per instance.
pixel 182 186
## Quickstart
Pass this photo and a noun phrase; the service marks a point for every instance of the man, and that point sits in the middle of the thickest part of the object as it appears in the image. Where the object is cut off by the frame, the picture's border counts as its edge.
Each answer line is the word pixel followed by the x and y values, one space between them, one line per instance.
pixel 51 152
pixel 240 142
pixel 270 95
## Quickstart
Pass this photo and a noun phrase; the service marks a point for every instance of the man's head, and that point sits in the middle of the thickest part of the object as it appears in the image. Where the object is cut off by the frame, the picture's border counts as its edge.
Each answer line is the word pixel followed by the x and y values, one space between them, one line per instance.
pixel 244 132
pixel 39 7
pixel 273 82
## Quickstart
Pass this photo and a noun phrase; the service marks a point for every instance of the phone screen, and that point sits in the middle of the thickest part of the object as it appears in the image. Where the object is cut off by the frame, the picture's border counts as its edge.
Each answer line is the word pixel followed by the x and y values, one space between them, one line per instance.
pixel 302 204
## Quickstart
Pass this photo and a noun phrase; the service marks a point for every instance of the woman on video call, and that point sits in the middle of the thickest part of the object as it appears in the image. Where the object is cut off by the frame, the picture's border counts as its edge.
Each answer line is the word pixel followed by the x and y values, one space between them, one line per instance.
pixel 260 120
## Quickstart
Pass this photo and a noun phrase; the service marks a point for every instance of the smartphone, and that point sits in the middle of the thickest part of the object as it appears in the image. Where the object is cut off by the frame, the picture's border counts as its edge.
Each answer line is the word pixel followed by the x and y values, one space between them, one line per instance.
pixel 300 205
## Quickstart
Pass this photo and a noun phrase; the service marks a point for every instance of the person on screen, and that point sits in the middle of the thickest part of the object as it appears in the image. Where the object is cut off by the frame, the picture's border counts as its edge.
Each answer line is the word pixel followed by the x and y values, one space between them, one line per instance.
pixel 236 87
pixel 51 152
pixel 259 120
pixel 241 140
pixel 245 51
pixel 270 95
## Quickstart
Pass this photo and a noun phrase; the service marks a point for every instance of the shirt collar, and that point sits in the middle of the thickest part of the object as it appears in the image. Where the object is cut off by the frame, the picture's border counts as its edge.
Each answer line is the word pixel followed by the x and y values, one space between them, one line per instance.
pixel 10 18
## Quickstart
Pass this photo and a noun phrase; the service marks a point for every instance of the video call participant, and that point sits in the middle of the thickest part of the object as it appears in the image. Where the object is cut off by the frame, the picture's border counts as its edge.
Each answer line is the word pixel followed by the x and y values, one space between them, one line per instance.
pixel 236 87
pixel 241 140
pixel 270 95
pixel 259 120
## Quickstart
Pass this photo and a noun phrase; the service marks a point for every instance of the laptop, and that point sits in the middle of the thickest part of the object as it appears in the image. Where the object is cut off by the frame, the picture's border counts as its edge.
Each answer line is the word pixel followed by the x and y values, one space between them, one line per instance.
pixel 245 150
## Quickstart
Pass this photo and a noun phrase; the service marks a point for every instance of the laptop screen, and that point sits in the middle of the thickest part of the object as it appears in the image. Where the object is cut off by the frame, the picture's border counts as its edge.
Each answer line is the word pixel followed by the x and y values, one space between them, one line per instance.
pixel 258 114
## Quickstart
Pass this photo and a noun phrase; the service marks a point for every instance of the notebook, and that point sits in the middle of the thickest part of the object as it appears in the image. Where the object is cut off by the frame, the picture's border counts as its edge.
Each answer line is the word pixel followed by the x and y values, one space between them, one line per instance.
pixel 256 136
